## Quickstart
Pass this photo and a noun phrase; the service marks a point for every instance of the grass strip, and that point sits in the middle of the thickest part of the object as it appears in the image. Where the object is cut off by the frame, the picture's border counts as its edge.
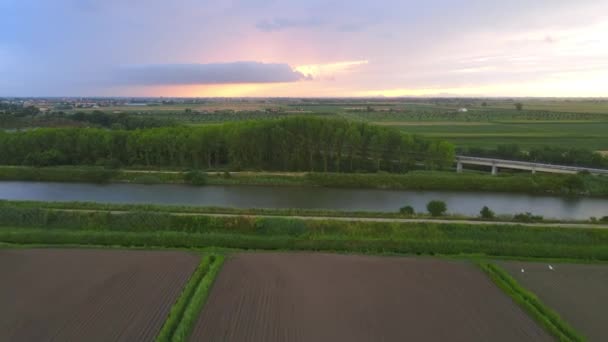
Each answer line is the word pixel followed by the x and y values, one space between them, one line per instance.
pixel 177 310
pixel 281 212
pixel 423 240
pixel 197 301
pixel 548 318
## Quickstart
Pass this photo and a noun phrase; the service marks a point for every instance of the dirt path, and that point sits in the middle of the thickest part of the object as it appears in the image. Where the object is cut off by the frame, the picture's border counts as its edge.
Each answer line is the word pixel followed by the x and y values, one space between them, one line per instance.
pixel 324 297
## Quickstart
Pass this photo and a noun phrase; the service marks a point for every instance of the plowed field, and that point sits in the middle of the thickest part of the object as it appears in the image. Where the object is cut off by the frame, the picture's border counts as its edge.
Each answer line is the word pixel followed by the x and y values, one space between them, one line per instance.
pixel 89 295
pixel 578 293
pixel 324 297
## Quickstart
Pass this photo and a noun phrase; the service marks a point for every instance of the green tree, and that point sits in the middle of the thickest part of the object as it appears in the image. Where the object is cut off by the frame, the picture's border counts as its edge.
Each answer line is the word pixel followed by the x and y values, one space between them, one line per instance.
pixel 519 106
pixel 196 178
pixel 436 208
pixel 574 184
pixel 487 213
pixel 406 210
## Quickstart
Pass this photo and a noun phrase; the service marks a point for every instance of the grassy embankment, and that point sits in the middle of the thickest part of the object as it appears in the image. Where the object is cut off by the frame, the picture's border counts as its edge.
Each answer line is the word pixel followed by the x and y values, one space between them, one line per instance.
pixel 288 212
pixel 548 318
pixel 185 311
pixel 556 184
pixel 146 229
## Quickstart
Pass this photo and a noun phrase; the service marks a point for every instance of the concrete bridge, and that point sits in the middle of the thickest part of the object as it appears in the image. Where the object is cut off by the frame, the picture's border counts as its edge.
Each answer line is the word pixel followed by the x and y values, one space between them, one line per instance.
pixel 522 165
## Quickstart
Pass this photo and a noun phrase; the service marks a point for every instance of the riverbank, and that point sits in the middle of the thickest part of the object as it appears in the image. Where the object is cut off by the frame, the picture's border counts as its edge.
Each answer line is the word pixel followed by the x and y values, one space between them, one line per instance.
pixel 157 229
pixel 551 184
pixel 297 213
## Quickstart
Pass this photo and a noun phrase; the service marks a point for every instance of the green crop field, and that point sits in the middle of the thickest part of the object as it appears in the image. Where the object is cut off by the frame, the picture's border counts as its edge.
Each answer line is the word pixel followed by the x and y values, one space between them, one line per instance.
pixel 591 135
pixel 487 122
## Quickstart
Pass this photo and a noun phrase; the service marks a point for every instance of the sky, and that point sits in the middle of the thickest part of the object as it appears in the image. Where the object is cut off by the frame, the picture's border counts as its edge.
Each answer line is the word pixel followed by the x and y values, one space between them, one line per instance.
pixel 312 48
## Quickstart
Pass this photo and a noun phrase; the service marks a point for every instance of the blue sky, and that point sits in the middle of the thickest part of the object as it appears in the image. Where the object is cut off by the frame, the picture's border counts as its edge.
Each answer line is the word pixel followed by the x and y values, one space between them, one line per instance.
pixel 303 48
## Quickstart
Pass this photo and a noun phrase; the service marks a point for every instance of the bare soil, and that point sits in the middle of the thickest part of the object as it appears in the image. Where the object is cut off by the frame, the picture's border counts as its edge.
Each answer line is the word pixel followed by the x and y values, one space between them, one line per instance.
pixel 578 293
pixel 89 295
pixel 328 297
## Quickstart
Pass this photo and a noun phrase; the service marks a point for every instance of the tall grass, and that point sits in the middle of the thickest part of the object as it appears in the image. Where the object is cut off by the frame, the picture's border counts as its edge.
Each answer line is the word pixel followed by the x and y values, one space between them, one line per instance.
pixel 25 224
pixel 548 318
pixel 177 310
pixel 197 301
pixel 445 239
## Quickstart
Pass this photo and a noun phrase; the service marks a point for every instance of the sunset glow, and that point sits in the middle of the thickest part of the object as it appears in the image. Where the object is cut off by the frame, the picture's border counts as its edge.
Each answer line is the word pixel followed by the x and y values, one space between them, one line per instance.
pixel 304 49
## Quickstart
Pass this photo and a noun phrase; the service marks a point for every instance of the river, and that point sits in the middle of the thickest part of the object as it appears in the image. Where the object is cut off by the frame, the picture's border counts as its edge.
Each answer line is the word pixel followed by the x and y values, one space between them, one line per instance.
pixel 466 203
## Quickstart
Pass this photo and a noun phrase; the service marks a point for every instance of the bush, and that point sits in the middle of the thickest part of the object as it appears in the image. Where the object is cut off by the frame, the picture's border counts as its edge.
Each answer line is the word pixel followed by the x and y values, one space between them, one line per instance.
pixel 407 210
pixel 573 184
pixel 527 217
pixel 227 175
pixel 436 208
pixel 196 178
pixel 604 219
pixel 487 213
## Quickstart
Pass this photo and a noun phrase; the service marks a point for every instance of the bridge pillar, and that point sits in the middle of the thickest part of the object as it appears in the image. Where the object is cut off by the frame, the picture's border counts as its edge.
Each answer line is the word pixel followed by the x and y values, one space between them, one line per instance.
pixel 459 167
pixel 494 170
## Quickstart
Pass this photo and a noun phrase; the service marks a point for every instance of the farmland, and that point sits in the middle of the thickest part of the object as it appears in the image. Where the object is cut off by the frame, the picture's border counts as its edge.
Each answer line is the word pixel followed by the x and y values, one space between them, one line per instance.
pixel 320 297
pixel 306 296
pixel 70 294
pixel 576 292
pixel 584 134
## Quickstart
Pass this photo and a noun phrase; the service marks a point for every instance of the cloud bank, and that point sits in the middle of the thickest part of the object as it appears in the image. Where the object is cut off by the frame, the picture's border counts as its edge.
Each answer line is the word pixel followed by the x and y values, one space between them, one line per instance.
pixel 211 73
pixel 278 24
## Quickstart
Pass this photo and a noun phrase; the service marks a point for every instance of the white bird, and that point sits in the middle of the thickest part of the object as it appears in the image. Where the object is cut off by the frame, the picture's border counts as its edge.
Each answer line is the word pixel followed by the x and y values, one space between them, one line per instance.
pixel 551 267
pixel 522 270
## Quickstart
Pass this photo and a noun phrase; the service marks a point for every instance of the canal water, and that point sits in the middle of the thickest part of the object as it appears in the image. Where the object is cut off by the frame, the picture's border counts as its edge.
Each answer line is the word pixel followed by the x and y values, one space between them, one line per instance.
pixel 467 203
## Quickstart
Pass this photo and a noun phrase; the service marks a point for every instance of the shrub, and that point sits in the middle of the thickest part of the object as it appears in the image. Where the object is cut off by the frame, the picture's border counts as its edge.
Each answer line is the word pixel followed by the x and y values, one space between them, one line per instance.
pixel 527 217
pixel 227 175
pixel 436 208
pixel 487 213
pixel 604 219
pixel 196 178
pixel 573 184
pixel 407 210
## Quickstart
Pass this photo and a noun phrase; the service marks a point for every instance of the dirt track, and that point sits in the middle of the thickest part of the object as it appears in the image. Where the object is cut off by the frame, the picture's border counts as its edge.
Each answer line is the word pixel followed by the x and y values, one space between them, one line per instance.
pixel 324 297
pixel 578 293
pixel 88 295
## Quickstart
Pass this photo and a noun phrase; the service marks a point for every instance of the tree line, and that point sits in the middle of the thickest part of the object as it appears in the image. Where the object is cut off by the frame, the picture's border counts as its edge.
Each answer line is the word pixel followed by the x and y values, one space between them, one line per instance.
pixel 544 154
pixel 287 144
pixel 13 116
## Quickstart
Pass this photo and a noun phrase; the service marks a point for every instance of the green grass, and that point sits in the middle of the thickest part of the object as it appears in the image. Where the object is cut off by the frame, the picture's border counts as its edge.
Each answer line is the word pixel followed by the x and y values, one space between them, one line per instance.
pixel 185 311
pixel 179 308
pixel 548 318
pixel 581 134
pixel 290 212
pixel 155 229
pixel 198 299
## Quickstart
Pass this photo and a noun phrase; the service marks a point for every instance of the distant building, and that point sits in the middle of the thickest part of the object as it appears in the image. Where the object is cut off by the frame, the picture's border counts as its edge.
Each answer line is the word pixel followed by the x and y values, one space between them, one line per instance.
pixel 463 110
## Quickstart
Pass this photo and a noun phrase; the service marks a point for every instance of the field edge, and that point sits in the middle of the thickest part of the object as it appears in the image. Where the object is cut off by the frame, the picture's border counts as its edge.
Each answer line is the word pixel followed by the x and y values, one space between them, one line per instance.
pixel 549 319
pixel 178 308
pixel 190 308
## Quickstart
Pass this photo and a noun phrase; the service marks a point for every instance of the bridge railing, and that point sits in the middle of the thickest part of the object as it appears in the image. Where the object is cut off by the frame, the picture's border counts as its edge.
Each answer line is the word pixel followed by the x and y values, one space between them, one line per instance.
pixel 530 164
